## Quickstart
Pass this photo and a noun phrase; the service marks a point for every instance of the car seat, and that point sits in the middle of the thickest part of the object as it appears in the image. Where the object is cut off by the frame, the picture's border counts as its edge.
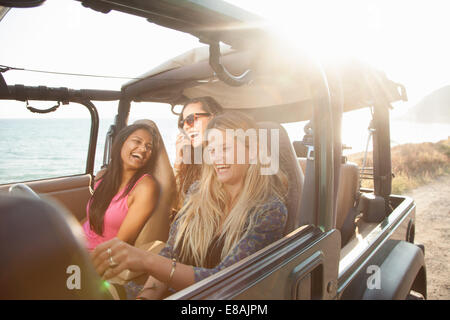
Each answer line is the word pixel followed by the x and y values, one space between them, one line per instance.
pixel 289 165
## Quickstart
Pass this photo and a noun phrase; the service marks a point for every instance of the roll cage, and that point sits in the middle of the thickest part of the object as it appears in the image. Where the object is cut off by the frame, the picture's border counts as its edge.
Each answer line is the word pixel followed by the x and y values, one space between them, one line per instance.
pixel 327 92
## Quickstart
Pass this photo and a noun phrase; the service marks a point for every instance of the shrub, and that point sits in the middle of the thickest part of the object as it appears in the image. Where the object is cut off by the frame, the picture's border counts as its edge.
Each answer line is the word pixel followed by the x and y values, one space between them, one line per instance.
pixel 413 164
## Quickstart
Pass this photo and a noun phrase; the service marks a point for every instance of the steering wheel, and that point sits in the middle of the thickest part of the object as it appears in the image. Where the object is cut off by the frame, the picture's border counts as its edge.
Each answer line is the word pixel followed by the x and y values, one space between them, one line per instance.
pixel 22 189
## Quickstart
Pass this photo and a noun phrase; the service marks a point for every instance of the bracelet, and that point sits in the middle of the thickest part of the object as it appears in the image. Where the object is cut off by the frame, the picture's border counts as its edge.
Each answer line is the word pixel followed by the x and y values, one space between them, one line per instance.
pixel 174 264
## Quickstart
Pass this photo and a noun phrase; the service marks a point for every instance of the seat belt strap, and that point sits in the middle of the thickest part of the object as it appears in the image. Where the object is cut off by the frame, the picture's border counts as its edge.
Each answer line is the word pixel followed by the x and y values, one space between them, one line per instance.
pixel 307 203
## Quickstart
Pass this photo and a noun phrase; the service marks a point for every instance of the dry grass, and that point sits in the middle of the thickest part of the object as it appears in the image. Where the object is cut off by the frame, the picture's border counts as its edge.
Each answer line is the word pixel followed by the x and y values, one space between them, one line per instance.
pixel 413 164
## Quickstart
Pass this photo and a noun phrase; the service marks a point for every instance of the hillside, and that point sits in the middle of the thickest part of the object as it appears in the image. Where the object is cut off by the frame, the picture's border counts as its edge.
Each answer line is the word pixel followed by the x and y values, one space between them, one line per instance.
pixel 433 108
pixel 413 164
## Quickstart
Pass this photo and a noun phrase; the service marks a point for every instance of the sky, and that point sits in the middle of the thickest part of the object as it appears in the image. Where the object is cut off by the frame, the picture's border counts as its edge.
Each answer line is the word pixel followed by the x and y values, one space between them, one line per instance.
pixel 406 39
pixel 63 36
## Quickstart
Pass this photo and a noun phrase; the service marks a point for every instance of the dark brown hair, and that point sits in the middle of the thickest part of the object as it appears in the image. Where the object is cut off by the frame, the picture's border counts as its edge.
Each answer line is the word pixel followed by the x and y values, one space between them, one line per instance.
pixel 209 104
pixel 112 178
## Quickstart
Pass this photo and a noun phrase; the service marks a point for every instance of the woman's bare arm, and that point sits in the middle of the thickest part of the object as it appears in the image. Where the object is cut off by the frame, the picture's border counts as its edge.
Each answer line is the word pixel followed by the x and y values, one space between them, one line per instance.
pixel 141 204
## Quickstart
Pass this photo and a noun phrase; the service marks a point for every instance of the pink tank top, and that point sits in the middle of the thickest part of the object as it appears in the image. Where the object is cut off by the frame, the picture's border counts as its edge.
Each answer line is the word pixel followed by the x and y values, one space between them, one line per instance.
pixel 114 216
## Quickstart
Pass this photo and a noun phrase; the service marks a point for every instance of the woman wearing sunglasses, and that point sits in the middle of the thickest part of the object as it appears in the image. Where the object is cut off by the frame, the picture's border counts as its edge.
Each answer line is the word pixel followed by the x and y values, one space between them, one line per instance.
pixel 192 122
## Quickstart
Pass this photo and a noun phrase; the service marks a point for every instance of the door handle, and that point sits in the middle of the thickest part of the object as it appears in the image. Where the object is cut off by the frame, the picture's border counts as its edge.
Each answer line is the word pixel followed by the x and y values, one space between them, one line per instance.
pixel 307 278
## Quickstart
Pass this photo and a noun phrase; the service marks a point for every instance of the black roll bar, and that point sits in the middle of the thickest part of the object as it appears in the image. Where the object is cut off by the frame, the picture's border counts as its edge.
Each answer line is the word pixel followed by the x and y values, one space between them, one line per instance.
pixel 123 112
pixel 323 153
pixel 93 134
pixel 222 73
pixel 108 145
pixel 23 93
pixel 382 168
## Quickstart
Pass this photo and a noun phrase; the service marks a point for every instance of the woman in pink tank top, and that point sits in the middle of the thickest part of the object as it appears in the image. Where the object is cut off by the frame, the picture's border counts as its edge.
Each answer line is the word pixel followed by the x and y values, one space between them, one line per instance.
pixel 126 195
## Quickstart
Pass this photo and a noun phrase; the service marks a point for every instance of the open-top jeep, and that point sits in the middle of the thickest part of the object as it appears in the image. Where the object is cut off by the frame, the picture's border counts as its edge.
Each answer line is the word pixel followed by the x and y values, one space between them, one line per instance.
pixel 342 241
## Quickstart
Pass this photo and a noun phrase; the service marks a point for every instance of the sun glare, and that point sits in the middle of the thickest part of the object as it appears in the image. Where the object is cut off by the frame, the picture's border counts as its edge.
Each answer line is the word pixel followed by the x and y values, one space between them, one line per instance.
pixel 403 38
pixel 326 28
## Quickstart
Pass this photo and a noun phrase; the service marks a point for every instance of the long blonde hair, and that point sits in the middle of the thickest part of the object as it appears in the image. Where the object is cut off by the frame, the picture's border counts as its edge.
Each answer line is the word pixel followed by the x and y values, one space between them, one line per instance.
pixel 203 212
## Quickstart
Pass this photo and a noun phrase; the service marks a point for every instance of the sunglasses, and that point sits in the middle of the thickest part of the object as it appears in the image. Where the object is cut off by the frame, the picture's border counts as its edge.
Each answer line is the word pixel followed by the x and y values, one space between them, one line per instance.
pixel 190 119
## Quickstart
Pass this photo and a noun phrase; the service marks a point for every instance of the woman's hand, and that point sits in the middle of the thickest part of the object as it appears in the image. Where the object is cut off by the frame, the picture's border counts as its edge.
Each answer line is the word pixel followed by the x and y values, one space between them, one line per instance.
pixel 114 256
pixel 182 140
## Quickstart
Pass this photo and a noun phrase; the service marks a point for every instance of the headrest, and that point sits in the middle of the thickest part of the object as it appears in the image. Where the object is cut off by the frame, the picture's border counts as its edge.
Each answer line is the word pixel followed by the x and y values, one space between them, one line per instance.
pixel 157 227
pixel 289 165
pixel 162 163
pixel 42 253
pixel 300 149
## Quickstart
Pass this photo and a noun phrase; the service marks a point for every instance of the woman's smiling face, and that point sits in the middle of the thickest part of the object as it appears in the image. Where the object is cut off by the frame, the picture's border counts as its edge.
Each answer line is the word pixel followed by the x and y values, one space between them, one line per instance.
pixel 136 150
pixel 223 155
pixel 196 130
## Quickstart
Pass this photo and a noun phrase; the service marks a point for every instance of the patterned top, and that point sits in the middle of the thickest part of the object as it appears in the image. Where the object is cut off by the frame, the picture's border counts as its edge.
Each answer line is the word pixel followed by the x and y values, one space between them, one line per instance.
pixel 269 222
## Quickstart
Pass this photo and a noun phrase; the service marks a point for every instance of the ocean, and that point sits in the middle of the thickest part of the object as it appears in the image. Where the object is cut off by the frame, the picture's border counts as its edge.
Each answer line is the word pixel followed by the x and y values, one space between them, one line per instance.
pixel 34 149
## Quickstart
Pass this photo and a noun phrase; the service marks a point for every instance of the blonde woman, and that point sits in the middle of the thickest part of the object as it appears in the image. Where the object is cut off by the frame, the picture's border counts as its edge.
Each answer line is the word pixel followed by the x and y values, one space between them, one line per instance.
pixel 232 212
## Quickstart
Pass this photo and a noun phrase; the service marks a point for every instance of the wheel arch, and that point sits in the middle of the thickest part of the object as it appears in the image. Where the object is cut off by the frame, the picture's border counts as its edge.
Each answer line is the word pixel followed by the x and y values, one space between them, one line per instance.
pixel 395 269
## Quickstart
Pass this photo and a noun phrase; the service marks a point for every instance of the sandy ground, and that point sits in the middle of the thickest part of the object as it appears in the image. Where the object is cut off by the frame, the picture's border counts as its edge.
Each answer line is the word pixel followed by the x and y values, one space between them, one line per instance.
pixel 433 230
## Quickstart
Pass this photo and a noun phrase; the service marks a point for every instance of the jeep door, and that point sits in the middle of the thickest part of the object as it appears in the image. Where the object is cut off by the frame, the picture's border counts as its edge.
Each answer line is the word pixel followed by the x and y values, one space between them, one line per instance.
pixel 302 265
pixel 53 156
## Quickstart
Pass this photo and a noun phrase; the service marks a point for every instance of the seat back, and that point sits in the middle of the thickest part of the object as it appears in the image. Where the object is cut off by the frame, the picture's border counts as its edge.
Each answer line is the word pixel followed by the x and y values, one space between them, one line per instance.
pixel 42 253
pixel 157 226
pixel 289 165
pixel 347 192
